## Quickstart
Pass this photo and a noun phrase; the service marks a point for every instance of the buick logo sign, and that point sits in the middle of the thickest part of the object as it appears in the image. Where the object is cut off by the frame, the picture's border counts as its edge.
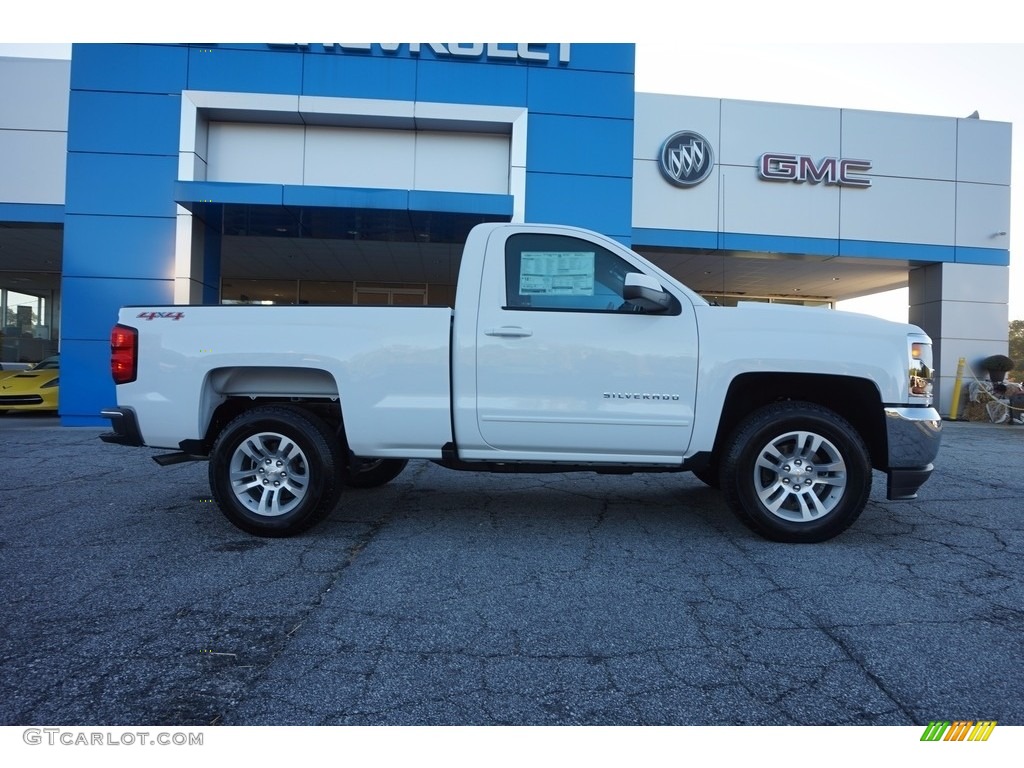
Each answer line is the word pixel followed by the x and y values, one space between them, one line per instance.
pixel 686 159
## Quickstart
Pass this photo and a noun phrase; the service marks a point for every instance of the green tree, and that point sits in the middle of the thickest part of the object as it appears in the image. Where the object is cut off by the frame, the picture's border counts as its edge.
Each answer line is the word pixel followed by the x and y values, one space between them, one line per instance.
pixel 1017 343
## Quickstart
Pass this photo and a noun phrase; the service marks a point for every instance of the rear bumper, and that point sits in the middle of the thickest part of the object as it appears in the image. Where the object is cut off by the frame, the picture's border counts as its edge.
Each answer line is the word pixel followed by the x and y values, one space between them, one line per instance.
pixel 913 436
pixel 125 425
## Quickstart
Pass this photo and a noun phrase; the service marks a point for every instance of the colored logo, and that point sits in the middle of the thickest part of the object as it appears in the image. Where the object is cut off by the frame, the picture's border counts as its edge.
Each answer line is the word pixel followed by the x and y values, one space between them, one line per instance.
pixel 686 159
pixel 960 730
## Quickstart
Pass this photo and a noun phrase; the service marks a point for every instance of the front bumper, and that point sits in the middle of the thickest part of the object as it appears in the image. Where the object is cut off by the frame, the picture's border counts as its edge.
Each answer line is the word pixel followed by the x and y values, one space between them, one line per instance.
pixel 126 427
pixel 913 438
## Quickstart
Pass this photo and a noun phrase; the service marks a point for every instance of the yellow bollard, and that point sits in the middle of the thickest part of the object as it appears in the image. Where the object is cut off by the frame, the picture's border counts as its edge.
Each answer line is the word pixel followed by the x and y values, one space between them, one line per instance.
pixel 956 389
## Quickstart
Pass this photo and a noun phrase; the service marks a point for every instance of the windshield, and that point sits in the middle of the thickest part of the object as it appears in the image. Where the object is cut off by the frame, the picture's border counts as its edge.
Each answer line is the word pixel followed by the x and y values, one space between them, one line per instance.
pixel 46 364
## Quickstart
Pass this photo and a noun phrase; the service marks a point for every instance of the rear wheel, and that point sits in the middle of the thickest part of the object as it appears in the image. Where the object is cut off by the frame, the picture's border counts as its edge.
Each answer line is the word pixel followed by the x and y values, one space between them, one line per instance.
pixel 370 474
pixel 274 471
pixel 796 472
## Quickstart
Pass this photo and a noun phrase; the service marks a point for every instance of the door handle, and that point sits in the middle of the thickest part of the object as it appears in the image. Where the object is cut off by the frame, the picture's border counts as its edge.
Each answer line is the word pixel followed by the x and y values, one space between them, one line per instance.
pixel 509 331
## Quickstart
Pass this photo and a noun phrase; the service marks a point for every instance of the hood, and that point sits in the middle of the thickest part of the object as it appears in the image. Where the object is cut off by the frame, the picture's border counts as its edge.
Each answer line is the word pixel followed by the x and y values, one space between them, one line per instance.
pixel 822 317
pixel 21 381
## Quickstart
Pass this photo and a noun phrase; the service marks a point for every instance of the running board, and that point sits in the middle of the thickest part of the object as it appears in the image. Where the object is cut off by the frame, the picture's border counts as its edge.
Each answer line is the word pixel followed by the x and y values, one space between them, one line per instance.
pixel 167 459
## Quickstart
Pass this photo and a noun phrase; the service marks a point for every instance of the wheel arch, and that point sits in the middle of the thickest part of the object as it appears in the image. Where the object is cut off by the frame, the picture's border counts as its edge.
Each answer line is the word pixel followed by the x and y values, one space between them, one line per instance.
pixel 229 391
pixel 856 400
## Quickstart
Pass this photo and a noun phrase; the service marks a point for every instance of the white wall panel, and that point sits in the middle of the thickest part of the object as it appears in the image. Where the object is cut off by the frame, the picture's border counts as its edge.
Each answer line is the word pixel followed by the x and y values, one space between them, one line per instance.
pixel 191 167
pixel 255 153
pixel 658 116
pixel 970 282
pixel 974 319
pixel 900 211
pixel 462 162
pixel 657 204
pixel 777 208
pixel 660 205
pixel 912 146
pixel 983 151
pixel 33 164
pixel 34 94
pixel 926 316
pixel 377 158
pixel 359 157
pixel 751 128
pixel 982 211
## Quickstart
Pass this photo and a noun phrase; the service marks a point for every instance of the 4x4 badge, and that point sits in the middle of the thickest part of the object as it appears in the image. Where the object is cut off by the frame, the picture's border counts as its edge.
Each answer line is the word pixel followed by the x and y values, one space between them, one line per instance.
pixel 158 315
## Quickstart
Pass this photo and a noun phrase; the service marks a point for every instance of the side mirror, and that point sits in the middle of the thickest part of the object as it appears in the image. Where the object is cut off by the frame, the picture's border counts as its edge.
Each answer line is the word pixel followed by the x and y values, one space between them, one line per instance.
pixel 646 292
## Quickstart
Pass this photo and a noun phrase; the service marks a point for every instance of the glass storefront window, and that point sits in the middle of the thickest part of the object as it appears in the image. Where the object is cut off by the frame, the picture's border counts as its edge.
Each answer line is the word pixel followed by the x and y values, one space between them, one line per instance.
pixel 26 335
pixel 246 291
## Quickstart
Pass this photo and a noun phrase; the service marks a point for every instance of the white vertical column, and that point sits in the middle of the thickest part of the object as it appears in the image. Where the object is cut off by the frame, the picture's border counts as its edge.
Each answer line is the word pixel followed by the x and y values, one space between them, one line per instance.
pixel 188 259
pixel 964 308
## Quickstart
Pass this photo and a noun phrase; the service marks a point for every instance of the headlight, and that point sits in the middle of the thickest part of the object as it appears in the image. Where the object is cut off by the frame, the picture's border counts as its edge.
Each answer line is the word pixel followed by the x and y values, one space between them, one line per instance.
pixel 921 371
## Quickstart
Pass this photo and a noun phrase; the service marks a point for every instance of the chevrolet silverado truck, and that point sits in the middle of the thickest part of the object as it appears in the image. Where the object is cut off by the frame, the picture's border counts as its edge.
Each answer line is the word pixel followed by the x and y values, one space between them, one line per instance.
pixel 565 351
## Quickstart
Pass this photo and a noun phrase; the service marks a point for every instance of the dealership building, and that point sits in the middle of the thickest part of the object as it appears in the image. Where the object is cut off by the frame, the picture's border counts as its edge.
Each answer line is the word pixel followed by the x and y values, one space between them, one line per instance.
pixel 352 173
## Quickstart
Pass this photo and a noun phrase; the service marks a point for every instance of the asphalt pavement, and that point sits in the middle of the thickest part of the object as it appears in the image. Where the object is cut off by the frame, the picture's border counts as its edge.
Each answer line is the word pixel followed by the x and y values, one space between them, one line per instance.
pixel 458 599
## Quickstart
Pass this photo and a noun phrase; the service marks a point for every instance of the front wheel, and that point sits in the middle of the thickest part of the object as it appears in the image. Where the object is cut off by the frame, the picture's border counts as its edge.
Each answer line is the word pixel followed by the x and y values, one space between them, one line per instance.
pixel 274 471
pixel 796 472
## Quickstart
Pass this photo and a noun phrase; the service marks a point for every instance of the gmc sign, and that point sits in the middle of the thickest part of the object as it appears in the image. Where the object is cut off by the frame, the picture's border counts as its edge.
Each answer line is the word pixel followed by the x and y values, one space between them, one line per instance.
pixel 843 172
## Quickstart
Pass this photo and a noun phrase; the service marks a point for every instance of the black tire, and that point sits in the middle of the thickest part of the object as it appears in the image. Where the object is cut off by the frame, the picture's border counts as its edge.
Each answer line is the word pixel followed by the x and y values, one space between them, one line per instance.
pixel 294 454
pixel 370 474
pixel 796 472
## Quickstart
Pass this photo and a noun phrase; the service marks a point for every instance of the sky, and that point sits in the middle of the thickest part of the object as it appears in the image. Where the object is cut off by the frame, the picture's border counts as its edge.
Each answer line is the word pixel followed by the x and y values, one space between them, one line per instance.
pixel 931 58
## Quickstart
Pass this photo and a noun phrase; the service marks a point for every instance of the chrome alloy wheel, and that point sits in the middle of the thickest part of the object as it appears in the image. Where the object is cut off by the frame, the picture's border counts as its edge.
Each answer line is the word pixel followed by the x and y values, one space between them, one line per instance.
pixel 269 474
pixel 800 476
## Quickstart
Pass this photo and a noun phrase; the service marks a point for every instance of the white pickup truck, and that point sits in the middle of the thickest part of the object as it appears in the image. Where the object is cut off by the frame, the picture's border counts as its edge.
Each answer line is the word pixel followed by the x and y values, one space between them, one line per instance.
pixel 565 351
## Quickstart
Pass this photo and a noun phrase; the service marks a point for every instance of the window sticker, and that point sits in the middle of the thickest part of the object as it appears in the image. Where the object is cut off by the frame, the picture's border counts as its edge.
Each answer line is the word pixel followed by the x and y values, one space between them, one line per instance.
pixel 556 273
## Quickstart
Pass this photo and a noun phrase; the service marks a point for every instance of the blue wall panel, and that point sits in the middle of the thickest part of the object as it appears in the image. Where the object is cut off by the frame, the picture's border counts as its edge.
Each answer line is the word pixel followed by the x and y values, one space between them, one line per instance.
pixel 347 197
pixel 90 304
pixel 134 68
pixel 596 94
pixel 85 383
pixel 603 57
pixel 580 145
pixel 125 246
pixel 122 161
pixel 228 192
pixel 675 238
pixel 463 82
pixel 330 74
pixel 601 203
pixel 125 123
pixel 32 212
pixel 817 246
pixel 994 256
pixel 216 69
pixel 881 250
pixel 127 185
pixel 461 202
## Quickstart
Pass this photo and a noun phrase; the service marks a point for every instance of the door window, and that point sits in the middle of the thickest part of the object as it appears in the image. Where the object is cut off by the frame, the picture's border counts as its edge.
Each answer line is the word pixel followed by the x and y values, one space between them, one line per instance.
pixel 557 272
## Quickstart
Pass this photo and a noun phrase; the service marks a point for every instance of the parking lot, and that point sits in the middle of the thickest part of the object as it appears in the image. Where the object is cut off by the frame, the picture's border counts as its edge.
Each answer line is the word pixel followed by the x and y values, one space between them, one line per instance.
pixel 452 598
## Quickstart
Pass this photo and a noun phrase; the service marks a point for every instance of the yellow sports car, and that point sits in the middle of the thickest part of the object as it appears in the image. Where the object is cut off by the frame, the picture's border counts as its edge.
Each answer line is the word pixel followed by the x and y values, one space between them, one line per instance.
pixel 34 389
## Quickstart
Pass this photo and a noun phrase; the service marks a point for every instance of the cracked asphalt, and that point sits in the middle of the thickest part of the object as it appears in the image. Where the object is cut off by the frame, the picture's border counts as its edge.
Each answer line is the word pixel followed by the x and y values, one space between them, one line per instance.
pixel 454 598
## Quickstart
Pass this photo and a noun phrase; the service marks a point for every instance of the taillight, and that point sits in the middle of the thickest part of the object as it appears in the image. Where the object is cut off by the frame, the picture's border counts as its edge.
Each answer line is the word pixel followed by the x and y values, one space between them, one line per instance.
pixel 124 354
